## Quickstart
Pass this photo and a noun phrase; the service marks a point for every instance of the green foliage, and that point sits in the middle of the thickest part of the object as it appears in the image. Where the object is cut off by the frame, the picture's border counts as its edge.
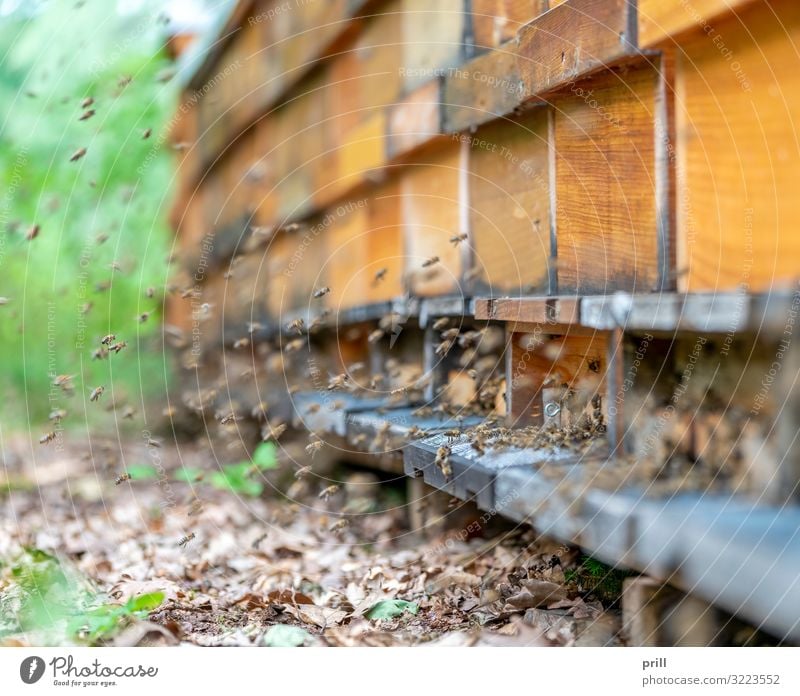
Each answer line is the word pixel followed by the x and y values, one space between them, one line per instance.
pixel 283 636
pixel 596 577
pixel 236 478
pixel 142 472
pixel 119 189
pixel 40 593
pixel 390 608
pixel 265 456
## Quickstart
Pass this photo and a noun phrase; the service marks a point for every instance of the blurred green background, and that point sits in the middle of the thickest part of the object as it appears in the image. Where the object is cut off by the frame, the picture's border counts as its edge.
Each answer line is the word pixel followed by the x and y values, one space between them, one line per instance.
pixel 107 208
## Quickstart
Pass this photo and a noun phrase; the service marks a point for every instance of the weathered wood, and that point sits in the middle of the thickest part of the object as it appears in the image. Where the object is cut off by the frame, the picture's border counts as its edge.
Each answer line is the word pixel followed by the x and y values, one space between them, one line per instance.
pixel 535 310
pixel 496 21
pixel 415 120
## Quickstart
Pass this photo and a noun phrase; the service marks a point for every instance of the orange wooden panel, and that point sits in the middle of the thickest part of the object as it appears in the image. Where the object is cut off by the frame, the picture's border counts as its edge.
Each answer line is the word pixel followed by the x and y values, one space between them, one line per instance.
pixel 497 21
pixel 737 110
pixel 510 202
pixel 606 183
pixel 662 20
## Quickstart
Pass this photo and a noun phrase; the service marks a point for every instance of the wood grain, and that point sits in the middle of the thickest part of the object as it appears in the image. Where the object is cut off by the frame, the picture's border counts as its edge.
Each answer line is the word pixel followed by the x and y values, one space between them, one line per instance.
pixel 660 21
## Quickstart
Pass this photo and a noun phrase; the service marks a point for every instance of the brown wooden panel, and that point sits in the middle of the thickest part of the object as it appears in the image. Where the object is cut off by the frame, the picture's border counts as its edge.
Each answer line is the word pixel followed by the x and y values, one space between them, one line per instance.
pixel 496 21
pixel 534 310
pixel 482 89
pixel 573 39
pixel 606 214
pixel 738 153
pixel 510 202
pixel 661 20
pixel 431 216
pixel 385 245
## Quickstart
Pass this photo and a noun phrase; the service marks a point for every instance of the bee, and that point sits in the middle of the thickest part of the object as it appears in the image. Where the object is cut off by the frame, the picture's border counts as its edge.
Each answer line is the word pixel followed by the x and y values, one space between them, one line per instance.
pixel 183 541
pixel 80 152
pixel 124 81
pixel 433 260
pixel 273 432
pixel 143 317
pixel 293 346
pixel 450 334
pixel 195 508
pixel 122 479
pixel 96 393
pixel 339 526
pixel 444 347
pixel 87 102
pixel 86 115
pixel 47 437
pixel 302 471
pixel 128 412
pixel 150 292
pixel 57 415
pixel 147 133
pixel 314 447
pixel 338 382
pixel 416 433
pixel 63 381
pixel 168 412
pixel 253 326
pixel 321 292
pixel 441 324
pixel 259 410
pixel 442 461
pixel 292 227
pixel 380 275
pixel 328 492
pixel 375 336
pixel 297 325
pixel 227 418
pixel 106 340
pixel 240 343
pixel 117 347
pixel 101 238
pixel 456 239
pixel 33 232
pixel 313 408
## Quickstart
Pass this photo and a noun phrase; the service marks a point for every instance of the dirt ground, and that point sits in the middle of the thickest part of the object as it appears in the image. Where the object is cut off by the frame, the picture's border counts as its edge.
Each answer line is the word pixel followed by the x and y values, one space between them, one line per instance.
pixel 301 563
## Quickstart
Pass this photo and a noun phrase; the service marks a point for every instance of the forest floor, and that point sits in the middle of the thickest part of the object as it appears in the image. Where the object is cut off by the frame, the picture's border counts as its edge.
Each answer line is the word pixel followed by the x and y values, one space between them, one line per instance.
pixel 154 560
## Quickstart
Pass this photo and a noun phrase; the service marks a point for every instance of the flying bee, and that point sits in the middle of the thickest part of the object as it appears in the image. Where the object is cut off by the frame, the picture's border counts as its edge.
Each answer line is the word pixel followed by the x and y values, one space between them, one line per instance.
pixel 328 492
pixel 292 227
pixel 124 81
pixel 293 346
pixel 441 324
pixel 321 292
pixel 195 508
pixel 253 326
pixel 87 102
pixel 153 443
pixel 147 133
pixel 33 232
pixel 227 418
pixel 297 325
pixel 101 238
pixel 57 415
pixel 115 266
pixel 150 292
pixel 259 410
pixel 456 239
pixel 63 381
pixel 433 260
pixel 442 461
pixel 339 526
pixel 240 343
pixel 96 393
pixel 313 408
pixel 338 382
pixel 118 346
pixel 186 539
pixel 375 336
pixel 86 115
pixel 106 340
pixel 302 471
pixel 143 317
pixel 273 432
pixel 380 275
pixel 314 447
pixel 80 152
pixel 122 478
pixel 47 437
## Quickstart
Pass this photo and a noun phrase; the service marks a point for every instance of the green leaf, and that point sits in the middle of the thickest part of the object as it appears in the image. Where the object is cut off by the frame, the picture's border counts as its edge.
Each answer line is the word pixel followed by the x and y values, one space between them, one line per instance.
pixel 145 602
pixel 142 472
pixel 283 636
pixel 187 474
pixel 389 608
pixel 264 456
pixel 234 478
